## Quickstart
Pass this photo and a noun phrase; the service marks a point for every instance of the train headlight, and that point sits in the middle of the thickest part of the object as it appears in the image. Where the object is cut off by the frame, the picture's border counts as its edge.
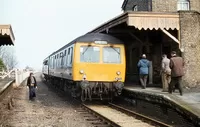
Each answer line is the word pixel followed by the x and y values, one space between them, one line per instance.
pixel 118 73
pixel 81 71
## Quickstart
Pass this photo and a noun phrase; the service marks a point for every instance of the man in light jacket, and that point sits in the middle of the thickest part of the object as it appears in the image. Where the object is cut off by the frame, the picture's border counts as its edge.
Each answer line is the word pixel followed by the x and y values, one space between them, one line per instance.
pixel 176 65
pixel 166 73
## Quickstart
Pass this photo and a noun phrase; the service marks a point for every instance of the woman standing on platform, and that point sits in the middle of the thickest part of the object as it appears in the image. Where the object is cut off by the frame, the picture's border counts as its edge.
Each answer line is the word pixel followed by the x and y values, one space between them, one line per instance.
pixel 31 84
pixel 143 66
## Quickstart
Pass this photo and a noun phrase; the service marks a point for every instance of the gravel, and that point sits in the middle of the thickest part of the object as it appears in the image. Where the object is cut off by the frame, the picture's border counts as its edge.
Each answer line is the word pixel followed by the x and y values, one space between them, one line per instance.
pixel 48 110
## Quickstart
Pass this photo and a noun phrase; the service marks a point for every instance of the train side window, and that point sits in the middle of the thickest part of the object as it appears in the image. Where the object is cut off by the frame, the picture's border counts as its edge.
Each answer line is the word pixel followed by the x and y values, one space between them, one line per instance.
pixel 71 56
pixel 49 62
pixel 68 51
pixel 52 62
pixel 68 57
pixel 62 59
pixel 55 62
pixel 59 63
pixel 65 58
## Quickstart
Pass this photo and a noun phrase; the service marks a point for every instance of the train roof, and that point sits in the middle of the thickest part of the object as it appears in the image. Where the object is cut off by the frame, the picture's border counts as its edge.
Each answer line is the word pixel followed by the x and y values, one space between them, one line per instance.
pixel 91 37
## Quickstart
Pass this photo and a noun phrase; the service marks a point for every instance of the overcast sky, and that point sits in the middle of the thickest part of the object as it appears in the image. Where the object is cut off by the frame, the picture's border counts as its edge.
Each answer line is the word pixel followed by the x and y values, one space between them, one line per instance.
pixel 42 26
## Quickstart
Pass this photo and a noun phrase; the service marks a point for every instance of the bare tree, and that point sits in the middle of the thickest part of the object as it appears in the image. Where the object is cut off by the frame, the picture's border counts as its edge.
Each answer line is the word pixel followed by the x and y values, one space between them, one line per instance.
pixel 8 56
pixel 2 51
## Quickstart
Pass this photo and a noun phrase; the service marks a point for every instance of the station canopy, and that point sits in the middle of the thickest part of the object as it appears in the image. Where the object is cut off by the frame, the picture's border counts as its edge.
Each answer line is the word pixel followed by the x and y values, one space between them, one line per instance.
pixel 142 21
pixel 6 35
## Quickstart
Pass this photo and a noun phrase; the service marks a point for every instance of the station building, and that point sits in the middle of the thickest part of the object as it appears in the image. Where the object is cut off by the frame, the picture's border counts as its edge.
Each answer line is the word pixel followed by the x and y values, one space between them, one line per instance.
pixel 155 27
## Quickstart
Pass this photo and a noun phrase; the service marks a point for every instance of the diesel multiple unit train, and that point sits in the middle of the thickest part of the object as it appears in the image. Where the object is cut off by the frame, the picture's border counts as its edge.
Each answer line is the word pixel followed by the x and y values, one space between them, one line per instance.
pixel 91 67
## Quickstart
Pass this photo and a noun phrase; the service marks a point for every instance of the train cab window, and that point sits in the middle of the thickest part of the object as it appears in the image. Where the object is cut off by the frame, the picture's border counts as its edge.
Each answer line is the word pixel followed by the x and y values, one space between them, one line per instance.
pixel 89 54
pixel 111 55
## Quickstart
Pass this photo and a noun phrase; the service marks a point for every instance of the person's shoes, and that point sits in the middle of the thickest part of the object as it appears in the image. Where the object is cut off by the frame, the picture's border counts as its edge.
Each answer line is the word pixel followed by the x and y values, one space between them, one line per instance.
pixel 164 90
pixel 181 94
pixel 143 87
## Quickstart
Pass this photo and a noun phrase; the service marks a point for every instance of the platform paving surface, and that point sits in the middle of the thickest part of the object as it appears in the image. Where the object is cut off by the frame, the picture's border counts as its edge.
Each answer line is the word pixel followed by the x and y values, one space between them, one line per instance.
pixel 189 100
pixel 4 82
pixel 49 109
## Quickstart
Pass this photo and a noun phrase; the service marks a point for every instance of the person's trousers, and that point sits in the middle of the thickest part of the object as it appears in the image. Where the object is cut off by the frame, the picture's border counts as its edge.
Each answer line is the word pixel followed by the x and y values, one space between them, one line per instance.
pixel 175 81
pixel 143 80
pixel 166 79
pixel 32 93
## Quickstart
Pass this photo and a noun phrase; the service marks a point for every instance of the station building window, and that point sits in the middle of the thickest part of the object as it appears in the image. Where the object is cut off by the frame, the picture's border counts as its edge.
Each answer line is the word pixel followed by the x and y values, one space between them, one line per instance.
pixel 135 8
pixel 183 5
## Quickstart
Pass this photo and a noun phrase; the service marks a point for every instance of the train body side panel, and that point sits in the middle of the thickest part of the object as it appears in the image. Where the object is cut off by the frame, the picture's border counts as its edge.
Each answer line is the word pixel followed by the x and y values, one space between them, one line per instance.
pixel 63 69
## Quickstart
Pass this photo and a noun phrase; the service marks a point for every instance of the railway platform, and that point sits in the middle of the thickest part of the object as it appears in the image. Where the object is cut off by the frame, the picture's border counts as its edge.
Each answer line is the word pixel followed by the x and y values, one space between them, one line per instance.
pixel 188 104
pixel 4 83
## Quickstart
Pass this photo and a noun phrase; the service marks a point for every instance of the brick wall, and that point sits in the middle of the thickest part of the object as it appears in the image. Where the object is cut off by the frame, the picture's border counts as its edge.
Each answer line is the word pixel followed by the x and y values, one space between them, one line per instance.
pixel 160 5
pixel 195 5
pixel 190 40
pixel 164 5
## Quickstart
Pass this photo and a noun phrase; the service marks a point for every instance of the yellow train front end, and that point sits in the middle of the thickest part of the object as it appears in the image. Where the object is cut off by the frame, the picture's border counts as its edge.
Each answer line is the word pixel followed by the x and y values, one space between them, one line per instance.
pixel 99 67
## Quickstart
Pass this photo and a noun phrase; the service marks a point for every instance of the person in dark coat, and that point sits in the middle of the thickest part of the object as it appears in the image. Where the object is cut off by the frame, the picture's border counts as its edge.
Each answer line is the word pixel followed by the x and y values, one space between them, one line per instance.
pixel 143 66
pixel 31 84
pixel 176 65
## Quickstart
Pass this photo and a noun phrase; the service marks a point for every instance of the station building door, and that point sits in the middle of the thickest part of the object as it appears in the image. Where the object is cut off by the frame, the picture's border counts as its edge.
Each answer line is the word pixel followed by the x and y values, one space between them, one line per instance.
pixel 153 43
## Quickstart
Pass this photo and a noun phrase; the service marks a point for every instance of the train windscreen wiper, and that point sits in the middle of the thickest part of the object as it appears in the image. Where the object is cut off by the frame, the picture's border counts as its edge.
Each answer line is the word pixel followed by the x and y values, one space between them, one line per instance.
pixel 116 50
pixel 85 50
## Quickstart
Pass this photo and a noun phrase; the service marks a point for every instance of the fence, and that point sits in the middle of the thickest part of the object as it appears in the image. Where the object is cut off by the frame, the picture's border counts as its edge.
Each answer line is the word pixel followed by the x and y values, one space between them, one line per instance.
pixel 20 76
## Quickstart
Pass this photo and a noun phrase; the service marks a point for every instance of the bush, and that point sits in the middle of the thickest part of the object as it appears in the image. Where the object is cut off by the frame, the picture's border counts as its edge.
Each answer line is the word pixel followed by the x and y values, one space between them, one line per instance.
pixel 2 65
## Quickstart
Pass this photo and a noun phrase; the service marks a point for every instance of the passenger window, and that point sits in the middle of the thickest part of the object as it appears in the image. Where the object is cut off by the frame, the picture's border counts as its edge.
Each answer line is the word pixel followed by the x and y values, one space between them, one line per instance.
pixel 68 57
pixel 71 55
pixel 65 52
pixel 55 62
pixel 62 57
pixel 65 59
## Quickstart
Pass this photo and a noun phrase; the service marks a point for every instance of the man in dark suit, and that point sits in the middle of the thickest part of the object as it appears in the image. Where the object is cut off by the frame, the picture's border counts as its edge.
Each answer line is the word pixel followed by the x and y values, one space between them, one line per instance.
pixel 31 84
pixel 176 65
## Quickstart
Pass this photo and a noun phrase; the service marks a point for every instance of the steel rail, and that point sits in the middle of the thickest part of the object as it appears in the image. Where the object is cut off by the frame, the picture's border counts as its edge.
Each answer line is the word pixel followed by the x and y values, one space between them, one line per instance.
pixel 140 116
pixel 110 122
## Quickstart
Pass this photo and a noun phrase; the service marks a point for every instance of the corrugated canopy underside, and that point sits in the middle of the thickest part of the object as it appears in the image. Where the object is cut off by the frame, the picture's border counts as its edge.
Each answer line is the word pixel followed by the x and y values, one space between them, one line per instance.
pixel 6 35
pixel 143 20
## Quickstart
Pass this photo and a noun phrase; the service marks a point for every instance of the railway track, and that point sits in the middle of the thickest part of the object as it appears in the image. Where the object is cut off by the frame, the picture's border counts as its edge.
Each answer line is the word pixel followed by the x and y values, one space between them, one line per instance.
pixel 112 115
